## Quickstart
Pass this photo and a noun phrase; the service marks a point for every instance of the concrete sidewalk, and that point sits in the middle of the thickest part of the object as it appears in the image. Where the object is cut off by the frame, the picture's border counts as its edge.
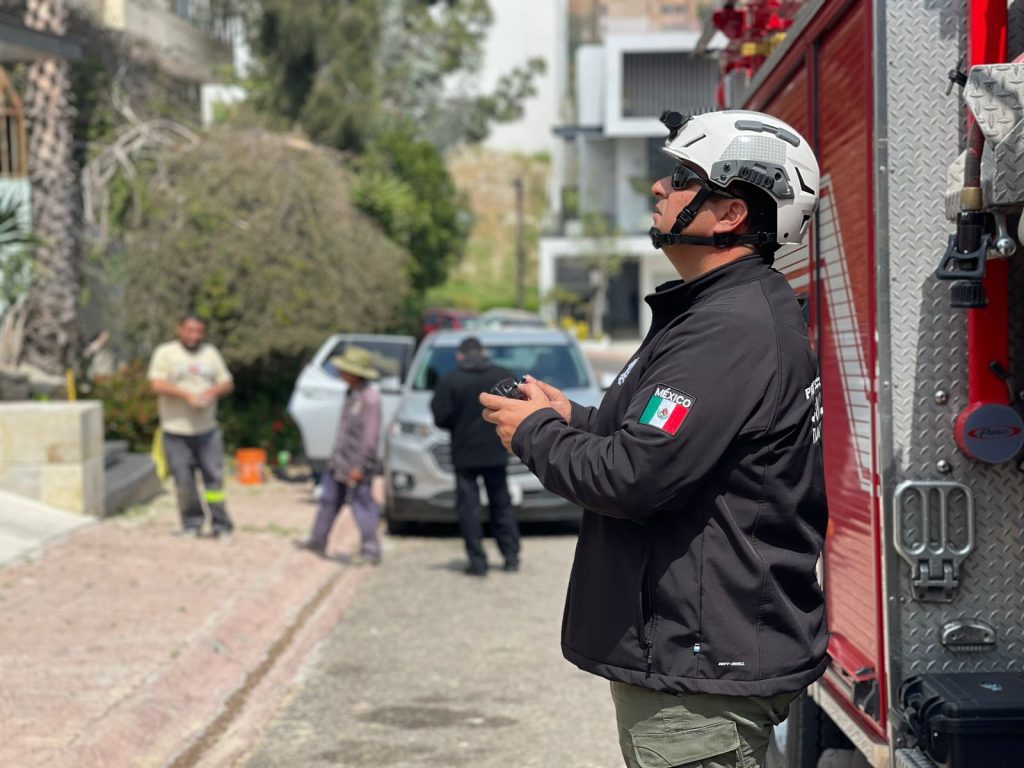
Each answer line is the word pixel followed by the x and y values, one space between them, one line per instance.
pixel 27 525
pixel 122 644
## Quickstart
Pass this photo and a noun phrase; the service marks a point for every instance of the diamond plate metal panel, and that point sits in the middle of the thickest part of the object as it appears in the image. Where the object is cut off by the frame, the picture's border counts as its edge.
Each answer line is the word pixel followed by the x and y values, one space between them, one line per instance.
pixel 928 343
pixel 1005 184
pixel 912 758
pixel 994 94
pixel 1015 22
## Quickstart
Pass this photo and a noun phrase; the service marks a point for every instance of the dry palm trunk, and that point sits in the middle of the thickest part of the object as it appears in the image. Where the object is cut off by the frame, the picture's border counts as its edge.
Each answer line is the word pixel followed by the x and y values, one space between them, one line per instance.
pixel 51 327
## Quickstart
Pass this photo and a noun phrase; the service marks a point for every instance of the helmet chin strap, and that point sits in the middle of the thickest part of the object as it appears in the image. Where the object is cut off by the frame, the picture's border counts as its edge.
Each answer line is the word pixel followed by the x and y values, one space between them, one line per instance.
pixel 758 240
pixel 685 218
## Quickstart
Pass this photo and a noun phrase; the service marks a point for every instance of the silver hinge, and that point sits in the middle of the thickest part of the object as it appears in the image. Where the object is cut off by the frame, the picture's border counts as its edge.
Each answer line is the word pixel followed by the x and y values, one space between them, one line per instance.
pixel 925 537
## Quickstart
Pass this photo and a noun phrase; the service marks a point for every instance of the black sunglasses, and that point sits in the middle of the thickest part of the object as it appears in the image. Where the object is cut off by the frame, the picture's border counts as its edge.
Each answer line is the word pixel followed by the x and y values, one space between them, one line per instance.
pixel 681 176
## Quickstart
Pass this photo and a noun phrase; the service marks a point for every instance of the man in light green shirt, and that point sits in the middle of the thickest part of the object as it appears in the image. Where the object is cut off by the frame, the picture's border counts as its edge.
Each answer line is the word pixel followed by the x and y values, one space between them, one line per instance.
pixel 189 377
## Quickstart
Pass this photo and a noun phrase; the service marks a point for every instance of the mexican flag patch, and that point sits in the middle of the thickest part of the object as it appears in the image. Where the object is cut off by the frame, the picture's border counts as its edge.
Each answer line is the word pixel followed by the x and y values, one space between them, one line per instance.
pixel 667 409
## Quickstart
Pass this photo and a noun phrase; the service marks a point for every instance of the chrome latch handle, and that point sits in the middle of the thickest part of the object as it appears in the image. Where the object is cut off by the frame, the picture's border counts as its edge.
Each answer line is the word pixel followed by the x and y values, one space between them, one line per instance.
pixel 924 537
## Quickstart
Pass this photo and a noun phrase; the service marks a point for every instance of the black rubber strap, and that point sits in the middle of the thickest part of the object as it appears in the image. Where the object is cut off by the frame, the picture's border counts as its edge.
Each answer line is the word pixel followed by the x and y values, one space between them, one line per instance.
pixel 660 239
pixel 689 213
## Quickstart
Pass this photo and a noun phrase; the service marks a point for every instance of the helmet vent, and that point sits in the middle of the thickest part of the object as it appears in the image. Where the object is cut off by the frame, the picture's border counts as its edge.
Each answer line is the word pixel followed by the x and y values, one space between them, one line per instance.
pixel 691 142
pixel 803 184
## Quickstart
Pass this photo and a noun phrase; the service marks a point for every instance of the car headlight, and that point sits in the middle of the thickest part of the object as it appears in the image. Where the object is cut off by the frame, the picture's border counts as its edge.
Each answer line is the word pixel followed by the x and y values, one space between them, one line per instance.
pixel 411 428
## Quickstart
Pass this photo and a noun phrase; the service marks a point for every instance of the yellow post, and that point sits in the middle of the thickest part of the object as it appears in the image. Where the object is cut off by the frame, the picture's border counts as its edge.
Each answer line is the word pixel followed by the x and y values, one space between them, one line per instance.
pixel 69 377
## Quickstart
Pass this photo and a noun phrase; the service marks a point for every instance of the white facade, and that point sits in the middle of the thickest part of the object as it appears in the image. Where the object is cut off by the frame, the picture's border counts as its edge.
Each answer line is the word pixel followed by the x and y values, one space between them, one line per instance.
pixel 523 30
pixel 612 157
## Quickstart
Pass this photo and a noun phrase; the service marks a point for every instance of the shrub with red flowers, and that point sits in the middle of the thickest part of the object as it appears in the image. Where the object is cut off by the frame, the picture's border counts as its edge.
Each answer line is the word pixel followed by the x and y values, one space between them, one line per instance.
pixel 129 405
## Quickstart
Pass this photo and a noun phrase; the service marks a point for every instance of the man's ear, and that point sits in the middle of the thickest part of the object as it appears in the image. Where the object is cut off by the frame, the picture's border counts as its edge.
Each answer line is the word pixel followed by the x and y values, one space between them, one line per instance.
pixel 733 214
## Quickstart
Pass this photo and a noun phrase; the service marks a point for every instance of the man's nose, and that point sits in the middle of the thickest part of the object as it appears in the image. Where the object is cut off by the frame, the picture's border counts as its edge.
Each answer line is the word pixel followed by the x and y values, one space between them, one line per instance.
pixel 658 189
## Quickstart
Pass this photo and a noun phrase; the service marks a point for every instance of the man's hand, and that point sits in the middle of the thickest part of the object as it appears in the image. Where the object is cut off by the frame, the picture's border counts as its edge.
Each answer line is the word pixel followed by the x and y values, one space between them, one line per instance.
pixel 507 414
pixel 556 397
pixel 199 400
pixel 356 476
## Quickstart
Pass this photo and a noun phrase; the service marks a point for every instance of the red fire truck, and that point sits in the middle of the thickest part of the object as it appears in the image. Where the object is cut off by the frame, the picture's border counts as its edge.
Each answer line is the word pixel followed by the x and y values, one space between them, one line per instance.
pixel 916 111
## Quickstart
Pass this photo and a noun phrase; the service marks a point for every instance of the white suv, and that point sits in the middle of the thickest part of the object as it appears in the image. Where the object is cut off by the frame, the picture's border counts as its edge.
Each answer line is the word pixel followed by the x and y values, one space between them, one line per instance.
pixel 419 479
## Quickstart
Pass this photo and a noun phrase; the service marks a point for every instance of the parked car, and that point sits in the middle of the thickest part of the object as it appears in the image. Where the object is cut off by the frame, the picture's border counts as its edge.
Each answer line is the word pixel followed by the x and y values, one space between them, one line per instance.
pixel 420 483
pixel 506 317
pixel 445 319
pixel 315 403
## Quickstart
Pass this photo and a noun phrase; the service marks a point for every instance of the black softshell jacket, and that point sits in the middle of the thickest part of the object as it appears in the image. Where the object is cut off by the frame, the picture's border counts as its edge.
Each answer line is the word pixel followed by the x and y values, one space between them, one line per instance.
pixel 695 565
pixel 456 407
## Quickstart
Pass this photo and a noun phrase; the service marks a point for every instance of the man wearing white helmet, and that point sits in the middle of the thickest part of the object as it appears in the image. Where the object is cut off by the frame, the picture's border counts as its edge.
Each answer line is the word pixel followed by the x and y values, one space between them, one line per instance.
pixel 693 588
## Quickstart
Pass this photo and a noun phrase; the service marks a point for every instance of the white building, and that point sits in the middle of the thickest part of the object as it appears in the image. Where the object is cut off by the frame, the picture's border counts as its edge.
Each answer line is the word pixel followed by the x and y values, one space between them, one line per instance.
pixel 523 30
pixel 611 156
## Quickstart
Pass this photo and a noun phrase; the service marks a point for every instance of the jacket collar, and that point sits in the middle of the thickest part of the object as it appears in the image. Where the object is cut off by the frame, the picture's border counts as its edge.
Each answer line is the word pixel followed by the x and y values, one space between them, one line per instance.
pixel 670 298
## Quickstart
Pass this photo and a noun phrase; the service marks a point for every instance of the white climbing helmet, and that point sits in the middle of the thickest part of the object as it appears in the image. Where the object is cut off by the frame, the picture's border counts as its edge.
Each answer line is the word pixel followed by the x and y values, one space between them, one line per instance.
pixel 734 149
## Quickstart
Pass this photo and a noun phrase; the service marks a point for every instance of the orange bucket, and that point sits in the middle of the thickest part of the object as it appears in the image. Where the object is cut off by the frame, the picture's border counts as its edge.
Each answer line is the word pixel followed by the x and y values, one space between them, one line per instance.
pixel 249 465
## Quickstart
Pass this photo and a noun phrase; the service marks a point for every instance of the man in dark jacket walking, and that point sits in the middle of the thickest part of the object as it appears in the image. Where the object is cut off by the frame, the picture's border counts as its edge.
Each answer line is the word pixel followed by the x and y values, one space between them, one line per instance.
pixel 693 588
pixel 477 452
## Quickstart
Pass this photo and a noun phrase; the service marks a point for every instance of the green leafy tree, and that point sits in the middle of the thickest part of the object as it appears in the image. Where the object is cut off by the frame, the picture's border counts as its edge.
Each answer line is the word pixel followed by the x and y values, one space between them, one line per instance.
pixel 260 236
pixel 318 66
pixel 374 77
pixel 403 183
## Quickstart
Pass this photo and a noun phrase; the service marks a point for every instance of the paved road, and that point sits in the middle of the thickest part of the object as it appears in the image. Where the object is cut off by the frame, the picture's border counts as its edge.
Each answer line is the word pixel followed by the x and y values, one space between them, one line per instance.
pixel 430 667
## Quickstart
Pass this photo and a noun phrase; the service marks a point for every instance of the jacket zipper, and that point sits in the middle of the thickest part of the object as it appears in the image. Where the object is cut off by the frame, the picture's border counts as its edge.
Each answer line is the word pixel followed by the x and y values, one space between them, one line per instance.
pixel 646 591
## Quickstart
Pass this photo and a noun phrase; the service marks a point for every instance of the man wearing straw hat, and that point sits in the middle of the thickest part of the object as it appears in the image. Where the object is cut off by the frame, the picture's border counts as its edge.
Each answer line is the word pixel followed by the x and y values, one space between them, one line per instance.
pixel 353 461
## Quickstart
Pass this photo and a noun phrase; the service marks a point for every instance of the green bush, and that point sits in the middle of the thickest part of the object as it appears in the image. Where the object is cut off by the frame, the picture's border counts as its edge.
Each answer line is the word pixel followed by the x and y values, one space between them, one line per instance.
pixel 129 405
pixel 254 416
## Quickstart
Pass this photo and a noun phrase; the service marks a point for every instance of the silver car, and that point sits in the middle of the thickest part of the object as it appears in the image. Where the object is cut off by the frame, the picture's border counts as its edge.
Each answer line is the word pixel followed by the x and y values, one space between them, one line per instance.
pixel 315 404
pixel 419 479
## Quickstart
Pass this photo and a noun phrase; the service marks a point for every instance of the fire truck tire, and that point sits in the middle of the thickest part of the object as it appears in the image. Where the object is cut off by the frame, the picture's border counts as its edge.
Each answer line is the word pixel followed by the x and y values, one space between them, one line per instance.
pixel 805 735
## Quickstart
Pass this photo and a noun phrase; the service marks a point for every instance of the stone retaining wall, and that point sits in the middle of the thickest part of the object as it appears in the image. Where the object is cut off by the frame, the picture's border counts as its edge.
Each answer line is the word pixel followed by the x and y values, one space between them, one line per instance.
pixel 53 452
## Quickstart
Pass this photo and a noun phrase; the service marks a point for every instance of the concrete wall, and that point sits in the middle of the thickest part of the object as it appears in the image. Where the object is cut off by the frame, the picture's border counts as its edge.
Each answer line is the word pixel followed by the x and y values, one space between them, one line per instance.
pixel 53 453
pixel 633 201
pixel 182 49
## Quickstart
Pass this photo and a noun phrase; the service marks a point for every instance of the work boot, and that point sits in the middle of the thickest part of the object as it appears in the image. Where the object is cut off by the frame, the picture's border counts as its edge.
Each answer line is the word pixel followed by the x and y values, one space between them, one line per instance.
pixel 364 558
pixel 310 547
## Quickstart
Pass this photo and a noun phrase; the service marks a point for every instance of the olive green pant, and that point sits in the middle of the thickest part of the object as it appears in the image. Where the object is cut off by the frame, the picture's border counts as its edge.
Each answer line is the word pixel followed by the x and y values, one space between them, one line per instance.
pixel 664 730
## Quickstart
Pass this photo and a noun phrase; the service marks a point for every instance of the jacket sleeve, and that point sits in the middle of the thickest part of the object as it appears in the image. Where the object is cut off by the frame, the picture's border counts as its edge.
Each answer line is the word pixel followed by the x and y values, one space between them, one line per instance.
pixel 582 416
pixel 443 405
pixel 726 373
pixel 371 430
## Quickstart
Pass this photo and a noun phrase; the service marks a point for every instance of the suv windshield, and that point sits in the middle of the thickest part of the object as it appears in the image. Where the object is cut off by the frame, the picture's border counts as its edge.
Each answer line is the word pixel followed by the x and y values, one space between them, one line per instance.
pixel 390 358
pixel 558 364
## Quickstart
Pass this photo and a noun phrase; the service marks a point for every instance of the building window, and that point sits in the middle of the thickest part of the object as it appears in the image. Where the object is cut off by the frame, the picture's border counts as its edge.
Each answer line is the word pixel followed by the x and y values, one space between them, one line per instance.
pixel 13 147
pixel 655 81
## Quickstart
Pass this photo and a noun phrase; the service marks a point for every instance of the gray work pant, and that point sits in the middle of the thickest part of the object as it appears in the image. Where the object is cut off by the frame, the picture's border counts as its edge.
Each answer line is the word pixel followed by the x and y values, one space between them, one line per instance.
pixel 364 508
pixel 205 452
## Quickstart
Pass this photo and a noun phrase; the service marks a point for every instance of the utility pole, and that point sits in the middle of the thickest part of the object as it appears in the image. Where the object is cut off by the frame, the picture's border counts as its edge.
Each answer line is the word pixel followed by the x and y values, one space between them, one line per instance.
pixel 520 247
